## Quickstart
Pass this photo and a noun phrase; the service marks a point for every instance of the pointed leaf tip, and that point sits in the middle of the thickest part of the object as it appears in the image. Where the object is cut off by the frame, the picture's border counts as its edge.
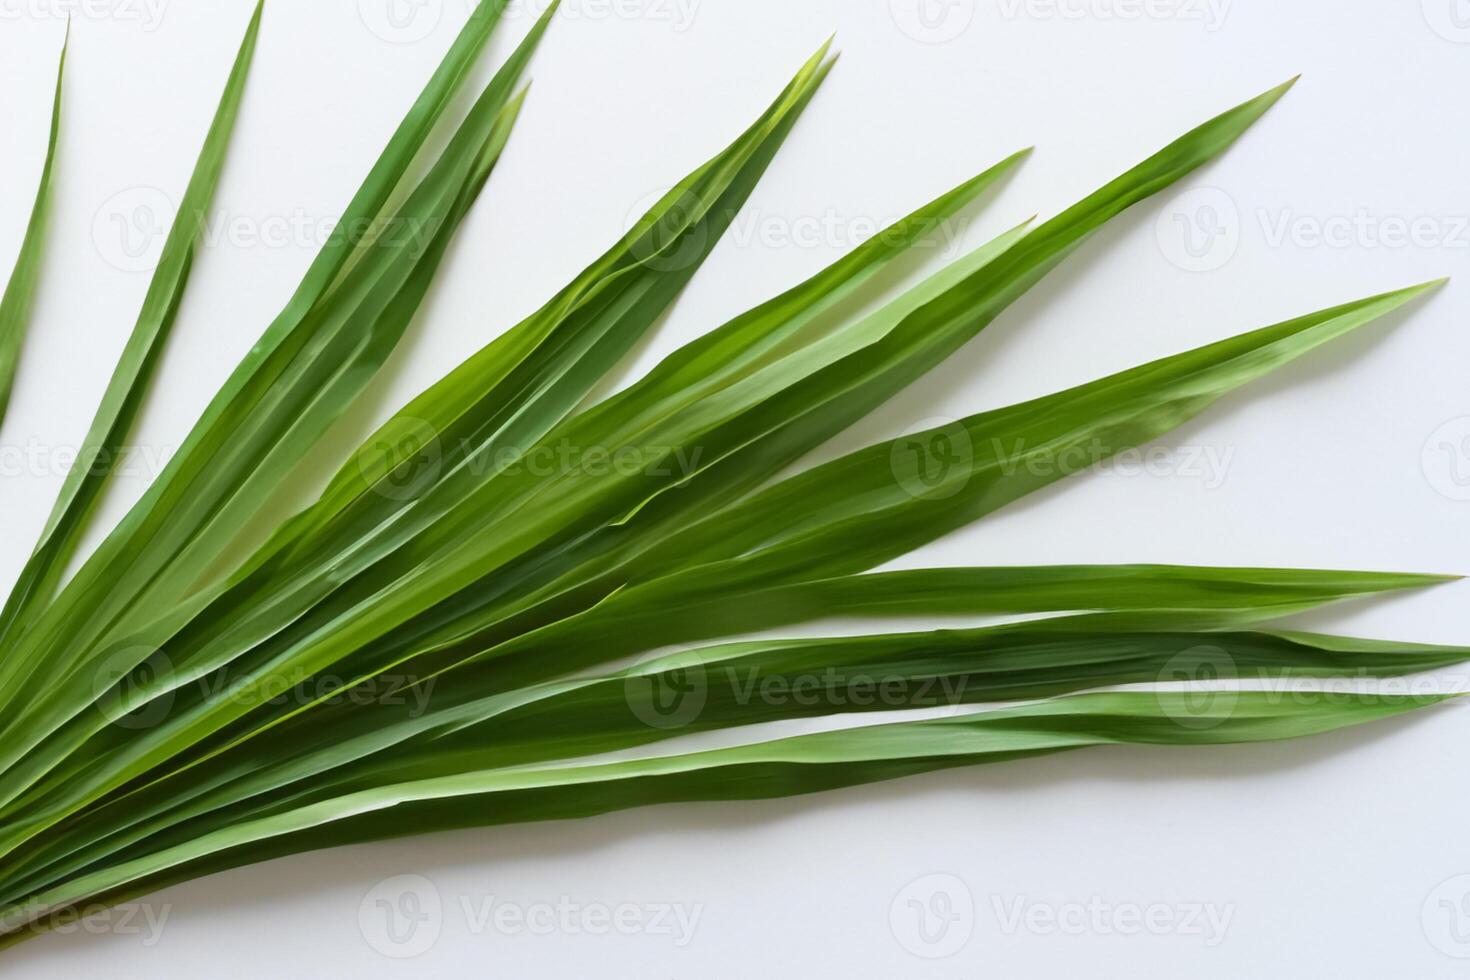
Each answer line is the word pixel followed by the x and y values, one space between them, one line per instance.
pixel 1280 90
pixel 1017 158
pixel 1420 289
pixel 1268 98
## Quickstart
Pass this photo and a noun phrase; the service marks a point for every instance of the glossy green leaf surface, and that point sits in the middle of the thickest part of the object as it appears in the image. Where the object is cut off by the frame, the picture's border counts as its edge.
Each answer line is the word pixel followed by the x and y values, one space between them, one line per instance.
pixel 515 576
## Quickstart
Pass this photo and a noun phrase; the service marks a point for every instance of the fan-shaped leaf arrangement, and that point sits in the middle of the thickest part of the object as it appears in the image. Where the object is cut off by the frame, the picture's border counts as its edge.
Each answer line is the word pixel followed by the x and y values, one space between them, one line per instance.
pixel 443 638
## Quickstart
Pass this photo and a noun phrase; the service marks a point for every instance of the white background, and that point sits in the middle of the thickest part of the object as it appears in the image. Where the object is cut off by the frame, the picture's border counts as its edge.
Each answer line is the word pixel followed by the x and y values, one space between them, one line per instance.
pixel 1333 857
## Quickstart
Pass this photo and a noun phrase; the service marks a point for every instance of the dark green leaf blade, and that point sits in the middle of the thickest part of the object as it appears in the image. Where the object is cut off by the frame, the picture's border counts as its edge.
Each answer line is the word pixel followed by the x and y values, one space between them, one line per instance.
pixel 787 767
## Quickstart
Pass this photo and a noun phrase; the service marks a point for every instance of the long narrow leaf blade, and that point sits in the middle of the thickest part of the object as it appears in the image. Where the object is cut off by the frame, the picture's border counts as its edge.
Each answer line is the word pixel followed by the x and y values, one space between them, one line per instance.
pixel 130 380
pixel 882 501
pixel 471 718
pixel 15 305
pixel 793 766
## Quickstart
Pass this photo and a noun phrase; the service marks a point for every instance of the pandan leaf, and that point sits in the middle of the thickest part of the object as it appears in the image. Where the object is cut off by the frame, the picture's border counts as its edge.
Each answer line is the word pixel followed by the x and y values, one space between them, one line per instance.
pixel 162 715
pixel 15 304
pixel 786 767
pixel 316 748
pixel 129 383
pixel 859 502
pixel 340 342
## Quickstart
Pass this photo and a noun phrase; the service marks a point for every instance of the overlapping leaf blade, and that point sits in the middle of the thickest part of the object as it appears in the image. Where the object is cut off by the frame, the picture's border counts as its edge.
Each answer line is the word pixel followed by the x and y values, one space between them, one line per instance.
pixel 121 580
pixel 437 554
pixel 1152 632
pixel 734 174
pixel 833 380
pixel 129 383
pixel 802 764
pixel 341 341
